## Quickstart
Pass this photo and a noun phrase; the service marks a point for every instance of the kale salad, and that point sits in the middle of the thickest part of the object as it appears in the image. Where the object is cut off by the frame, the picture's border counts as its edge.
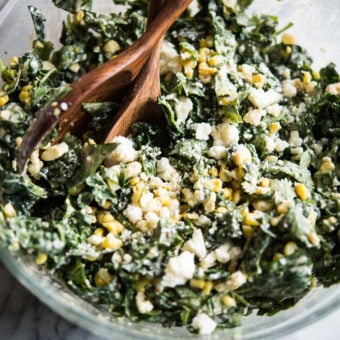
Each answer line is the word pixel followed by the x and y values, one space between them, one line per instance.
pixel 235 212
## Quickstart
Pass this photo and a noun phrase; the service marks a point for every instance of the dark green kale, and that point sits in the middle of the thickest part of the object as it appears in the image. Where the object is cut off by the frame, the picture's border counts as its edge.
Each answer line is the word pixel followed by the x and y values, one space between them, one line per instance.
pixel 38 20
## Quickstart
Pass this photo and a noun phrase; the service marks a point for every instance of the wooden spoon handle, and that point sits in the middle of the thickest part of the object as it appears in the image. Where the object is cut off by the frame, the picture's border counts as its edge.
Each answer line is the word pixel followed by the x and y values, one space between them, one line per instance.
pixel 140 102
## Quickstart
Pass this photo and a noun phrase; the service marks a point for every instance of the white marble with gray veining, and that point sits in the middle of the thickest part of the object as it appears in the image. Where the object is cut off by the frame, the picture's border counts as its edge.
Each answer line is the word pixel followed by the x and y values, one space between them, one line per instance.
pixel 24 317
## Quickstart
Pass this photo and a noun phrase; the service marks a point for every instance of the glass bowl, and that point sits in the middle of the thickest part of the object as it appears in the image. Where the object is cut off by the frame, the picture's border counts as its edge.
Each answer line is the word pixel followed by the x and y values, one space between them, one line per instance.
pixel 317 27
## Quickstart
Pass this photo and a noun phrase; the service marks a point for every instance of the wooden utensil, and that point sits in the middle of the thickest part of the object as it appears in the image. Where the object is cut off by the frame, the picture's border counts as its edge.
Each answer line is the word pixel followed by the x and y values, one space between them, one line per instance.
pixel 141 102
pixel 99 84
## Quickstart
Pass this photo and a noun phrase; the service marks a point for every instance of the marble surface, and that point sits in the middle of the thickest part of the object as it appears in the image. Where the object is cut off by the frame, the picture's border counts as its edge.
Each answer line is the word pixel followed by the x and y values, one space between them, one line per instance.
pixel 24 317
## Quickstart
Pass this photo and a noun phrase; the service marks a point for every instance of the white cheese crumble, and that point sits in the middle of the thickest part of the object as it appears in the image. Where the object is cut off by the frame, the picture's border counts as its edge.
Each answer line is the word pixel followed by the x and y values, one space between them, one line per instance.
pixel 133 213
pixel 253 117
pixel 263 99
pixel 179 270
pixel 169 59
pixel 288 88
pixel 217 152
pixel 183 107
pixel 165 170
pixel 203 324
pixel 225 134
pixel 202 130
pixel 124 152
pixel 144 306
pixel 196 244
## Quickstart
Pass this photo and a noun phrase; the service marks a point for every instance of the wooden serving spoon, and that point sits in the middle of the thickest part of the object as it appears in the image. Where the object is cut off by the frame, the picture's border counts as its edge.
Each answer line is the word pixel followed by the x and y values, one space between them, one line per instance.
pixel 100 84
pixel 141 102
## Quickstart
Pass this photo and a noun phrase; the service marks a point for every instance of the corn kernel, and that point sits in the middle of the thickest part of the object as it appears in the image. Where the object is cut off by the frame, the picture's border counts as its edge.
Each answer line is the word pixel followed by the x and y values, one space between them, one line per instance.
pixel 316 75
pixel 283 207
pixel 205 70
pixel 247 230
pixel 78 17
pixel 275 127
pixel 105 217
pixel 107 204
pixel 13 61
pixel 134 181
pixel 307 77
pixel 225 101
pixel 196 283
pixel 236 196
pixel 99 232
pixel 114 227
pixel 111 46
pixel 289 248
pixel 102 277
pixel 274 221
pixel 53 152
pixel 327 165
pixel 288 39
pixel 249 218
pixel 111 242
pixel 215 60
pixel 207 42
pixel 221 210
pixel 4 99
pixel 228 301
pixel 258 80
pixel 314 238
pixel 332 220
pixel 302 191
pixel 227 193
pixel 138 190
pixel 262 190
pixel 142 283
pixel 74 67
pixel 203 54
pixel 208 286
pixel 9 210
pixel 213 172
pixel 41 259
pixel 277 256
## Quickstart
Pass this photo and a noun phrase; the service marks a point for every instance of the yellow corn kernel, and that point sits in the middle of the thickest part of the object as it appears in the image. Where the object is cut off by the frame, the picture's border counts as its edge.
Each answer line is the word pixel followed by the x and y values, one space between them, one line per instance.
pixel 210 203
pixel 215 60
pixel 208 286
pixel 216 185
pixel 105 217
pixel 258 80
pixel 74 67
pixel 207 42
pixel 213 172
pixel 224 174
pixel 302 191
pixel 228 193
pixel 249 218
pixel 225 101
pixel 203 54
pixel 288 39
pixel 265 182
pixel 78 17
pixel 53 152
pixel 289 248
pixel 111 242
pixel 138 190
pixel 205 70
pixel 134 181
pixel 332 220
pixel 228 301
pixel 114 227
pixel 142 283
pixel 102 277
pixel 197 283
pixel 307 77
pixel 314 238
pixel 9 210
pixel 262 205
pixel 236 196
pixel 221 210
pixel 277 256
pixel 262 190
pixel 316 75
pixel 247 230
pixel 4 99
pixel 41 259
pixel 274 221
pixel 283 207
pixel 327 165
pixel 111 46
pixel 275 127
pixel 107 204
pixel 99 232
pixel 25 93
pixel 13 61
